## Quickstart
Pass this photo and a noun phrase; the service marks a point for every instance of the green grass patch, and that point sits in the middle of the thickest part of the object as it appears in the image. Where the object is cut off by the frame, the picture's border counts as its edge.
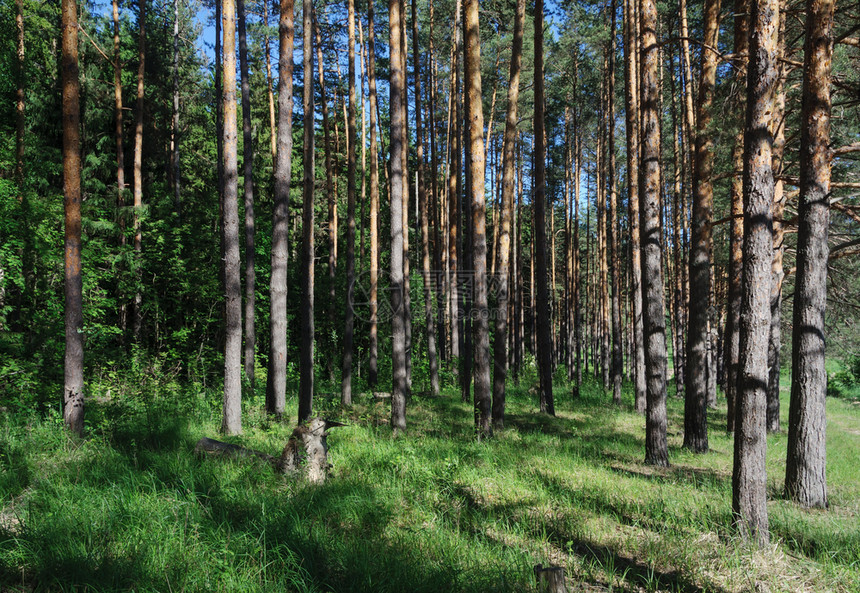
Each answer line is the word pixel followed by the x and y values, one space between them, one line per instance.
pixel 131 508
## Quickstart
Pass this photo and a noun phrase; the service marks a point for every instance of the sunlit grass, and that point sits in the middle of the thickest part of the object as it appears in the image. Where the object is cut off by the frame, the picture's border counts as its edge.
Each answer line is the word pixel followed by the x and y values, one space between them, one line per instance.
pixel 130 508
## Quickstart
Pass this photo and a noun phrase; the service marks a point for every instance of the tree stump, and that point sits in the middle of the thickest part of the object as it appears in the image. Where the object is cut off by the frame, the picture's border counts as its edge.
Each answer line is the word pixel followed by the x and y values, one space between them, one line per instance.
pixel 550 579
pixel 305 453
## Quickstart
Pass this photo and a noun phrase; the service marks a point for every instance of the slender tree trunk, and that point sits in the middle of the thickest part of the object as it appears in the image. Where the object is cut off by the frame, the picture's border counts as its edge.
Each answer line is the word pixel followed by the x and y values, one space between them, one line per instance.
pixel 749 493
pixel 654 321
pixel 577 257
pixel 248 163
pixel 374 201
pixel 614 262
pixel 544 345
pixel 232 420
pixel 276 386
pixel 697 368
pixel 138 169
pixel 631 74
pixel 306 352
pixel 174 135
pixel 120 154
pixel 73 377
pixel 346 375
pixel 398 121
pixel 20 119
pixel 481 327
pixel 504 250
pixel 404 156
pixel 779 200
pixel 805 478
pixel 424 208
pixel 732 343
pixel 453 191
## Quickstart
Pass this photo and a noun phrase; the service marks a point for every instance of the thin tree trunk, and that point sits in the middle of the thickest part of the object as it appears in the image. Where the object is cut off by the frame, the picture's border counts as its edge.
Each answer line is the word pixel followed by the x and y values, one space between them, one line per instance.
pixel 374 202
pixel 631 74
pixel 361 217
pixel 779 200
pixel 749 493
pixel 276 386
pixel 453 197
pixel 805 477
pixel 73 374
pixel 654 321
pixel 398 121
pixel 346 375
pixel 503 253
pixel 544 345
pixel 120 154
pixel 306 352
pixel 732 343
pixel 232 406
pixel 138 169
pixel 248 163
pixel 697 367
pixel 269 82
pixel 424 208
pixel 614 262
pixel 174 134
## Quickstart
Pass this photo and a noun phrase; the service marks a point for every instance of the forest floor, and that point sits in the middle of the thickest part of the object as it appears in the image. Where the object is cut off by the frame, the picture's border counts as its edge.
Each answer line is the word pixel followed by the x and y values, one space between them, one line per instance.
pixel 130 507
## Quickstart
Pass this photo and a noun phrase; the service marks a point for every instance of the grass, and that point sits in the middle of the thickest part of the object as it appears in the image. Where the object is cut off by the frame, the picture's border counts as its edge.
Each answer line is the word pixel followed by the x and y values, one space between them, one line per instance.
pixel 130 508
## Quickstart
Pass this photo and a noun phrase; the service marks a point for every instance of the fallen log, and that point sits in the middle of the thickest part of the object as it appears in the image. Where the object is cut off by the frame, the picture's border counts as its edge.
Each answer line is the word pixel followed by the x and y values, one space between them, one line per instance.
pixel 306 452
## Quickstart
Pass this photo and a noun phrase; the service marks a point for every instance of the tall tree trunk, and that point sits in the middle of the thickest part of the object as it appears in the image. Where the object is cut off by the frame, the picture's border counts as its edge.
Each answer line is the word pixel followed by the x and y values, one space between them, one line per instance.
pixel 424 215
pixel 138 169
pixel 696 391
pixel 248 163
pixel 20 119
pixel 614 262
pixel 631 74
pixel 481 326
pixel 504 250
pixel 330 198
pixel 398 121
pixel 749 493
pixel 779 200
pixel 404 156
pixel 653 315
pixel 577 258
pixel 374 201
pixel 453 194
pixel 805 478
pixel 306 351
pixel 174 133
pixel 346 374
pixel 276 386
pixel 73 374
pixel 232 420
pixel 120 153
pixel 544 345
pixel 732 343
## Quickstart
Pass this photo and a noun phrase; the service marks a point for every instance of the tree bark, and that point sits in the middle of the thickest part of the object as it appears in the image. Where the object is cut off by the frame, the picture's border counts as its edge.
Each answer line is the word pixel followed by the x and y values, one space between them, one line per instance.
pixel 306 352
pixel 481 326
pixel 696 392
pixel 653 315
pixel 424 208
pixel 138 170
pixel 503 253
pixel 73 374
pixel 232 406
pixel 544 345
pixel 374 202
pixel 248 163
pixel 617 369
pixel 732 343
pixel 632 119
pixel 276 386
pixel 805 477
pixel 749 493
pixel 398 121
pixel 120 154
pixel 346 373
pixel 174 133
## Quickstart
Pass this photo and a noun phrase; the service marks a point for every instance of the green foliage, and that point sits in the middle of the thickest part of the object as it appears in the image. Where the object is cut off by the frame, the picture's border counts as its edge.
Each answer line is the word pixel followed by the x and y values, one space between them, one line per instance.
pixel 130 508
